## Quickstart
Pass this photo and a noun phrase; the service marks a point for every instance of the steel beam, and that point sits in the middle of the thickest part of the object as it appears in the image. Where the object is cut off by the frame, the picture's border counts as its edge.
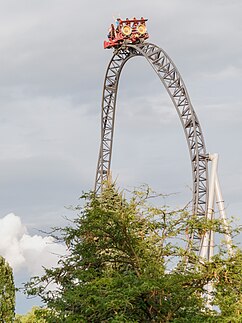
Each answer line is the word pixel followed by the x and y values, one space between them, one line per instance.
pixel 172 80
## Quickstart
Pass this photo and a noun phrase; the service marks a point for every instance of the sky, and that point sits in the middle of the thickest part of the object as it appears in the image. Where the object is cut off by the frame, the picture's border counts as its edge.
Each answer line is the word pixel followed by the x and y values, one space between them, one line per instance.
pixel 51 76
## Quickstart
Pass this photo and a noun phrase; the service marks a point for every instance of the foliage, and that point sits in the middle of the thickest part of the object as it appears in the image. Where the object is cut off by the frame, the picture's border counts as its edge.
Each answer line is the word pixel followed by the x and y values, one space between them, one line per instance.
pixel 127 262
pixel 7 292
pixel 228 286
pixel 34 316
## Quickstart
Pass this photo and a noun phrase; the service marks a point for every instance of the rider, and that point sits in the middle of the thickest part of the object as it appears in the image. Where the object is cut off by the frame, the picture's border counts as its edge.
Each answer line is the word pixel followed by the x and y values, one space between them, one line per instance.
pixel 117 23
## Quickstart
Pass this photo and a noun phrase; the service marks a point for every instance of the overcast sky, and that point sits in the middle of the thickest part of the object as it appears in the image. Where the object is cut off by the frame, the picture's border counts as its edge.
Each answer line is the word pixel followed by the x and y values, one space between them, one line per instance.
pixel 51 78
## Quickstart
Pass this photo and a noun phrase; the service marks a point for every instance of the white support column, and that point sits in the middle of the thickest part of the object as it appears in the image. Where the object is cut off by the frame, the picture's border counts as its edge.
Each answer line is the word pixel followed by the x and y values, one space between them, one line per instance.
pixel 221 208
pixel 207 245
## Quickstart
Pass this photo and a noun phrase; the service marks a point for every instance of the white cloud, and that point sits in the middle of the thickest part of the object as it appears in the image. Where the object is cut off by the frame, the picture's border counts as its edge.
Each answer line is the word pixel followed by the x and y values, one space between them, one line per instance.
pixel 228 72
pixel 52 71
pixel 25 251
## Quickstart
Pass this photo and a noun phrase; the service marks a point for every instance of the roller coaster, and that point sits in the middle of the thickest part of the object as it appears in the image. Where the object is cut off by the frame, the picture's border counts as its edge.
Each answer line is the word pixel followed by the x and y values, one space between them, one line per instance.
pixel 128 40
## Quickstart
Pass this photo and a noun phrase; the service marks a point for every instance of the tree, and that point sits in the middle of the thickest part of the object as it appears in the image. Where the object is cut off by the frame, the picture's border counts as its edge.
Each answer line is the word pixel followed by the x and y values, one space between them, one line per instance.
pixel 125 263
pixel 34 316
pixel 7 292
pixel 228 287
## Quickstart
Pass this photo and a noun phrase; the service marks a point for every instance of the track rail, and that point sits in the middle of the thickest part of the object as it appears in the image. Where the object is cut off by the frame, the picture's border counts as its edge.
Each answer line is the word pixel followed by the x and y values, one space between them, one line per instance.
pixel 171 79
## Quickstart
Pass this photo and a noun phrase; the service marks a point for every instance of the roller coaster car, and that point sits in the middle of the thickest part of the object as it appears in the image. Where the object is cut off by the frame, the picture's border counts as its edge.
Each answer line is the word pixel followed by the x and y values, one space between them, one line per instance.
pixel 127 31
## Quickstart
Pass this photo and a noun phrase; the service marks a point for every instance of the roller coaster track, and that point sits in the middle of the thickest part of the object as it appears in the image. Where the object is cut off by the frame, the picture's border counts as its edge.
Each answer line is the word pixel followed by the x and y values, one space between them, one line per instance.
pixel 171 79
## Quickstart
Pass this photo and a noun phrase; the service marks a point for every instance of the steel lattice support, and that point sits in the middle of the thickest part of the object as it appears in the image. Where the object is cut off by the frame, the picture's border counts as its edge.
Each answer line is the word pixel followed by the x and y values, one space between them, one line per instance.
pixel 171 79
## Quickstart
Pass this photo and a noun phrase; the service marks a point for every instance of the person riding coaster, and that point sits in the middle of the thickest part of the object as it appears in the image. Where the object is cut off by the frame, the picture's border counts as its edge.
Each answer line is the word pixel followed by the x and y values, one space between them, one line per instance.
pixel 126 31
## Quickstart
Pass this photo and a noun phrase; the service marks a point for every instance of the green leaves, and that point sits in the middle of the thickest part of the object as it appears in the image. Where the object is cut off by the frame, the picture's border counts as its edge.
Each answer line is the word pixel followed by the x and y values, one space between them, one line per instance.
pixel 7 292
pixel 36 315
pixel 125 264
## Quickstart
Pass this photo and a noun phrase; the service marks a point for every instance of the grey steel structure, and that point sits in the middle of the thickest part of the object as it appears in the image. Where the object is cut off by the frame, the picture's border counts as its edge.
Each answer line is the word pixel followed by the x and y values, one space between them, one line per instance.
pixel 171 79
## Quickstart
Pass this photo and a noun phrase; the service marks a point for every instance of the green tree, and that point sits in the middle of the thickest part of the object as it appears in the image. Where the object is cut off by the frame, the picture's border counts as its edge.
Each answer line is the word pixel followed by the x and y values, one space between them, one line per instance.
pixel 227 280
pixel 34 316
pixel 126 264
pixel 7 292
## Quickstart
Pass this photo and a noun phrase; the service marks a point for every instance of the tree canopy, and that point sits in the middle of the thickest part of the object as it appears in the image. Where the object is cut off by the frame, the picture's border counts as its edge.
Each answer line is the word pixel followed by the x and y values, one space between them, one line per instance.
pixel 127 262
pixel 33 316
pixel 7 292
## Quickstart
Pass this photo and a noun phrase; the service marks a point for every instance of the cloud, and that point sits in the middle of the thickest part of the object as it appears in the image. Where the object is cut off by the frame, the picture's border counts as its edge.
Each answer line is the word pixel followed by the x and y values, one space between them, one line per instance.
pixel 51 85
pixel 228 72
pixel 52 72
pixel 24 251
pixel 49 155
